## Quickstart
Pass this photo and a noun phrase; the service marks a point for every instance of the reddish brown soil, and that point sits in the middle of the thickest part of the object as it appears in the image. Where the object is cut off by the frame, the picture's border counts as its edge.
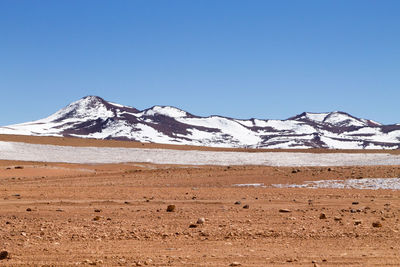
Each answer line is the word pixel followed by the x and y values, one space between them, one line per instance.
pixel 115 214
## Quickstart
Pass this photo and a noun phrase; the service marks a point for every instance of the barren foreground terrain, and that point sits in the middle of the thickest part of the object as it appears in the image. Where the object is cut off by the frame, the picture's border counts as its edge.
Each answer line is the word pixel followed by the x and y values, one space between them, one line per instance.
pixel 116 214
pixel 54 214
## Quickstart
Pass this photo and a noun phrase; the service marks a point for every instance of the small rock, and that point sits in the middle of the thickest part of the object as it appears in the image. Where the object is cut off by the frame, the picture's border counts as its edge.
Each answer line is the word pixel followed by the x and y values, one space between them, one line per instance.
pixel 238 203
pixel 148 262
pixel 193 225
pixel 59 210
pixel 316 265
pixel 171 208
pixel 96 218
pixel 322 216
pixel 18 167
pixel 235 263
pixel 376 224
pixel 284 210
pixel 87 261
pixel 355 203
pixel 246 206
pixel 201 220
pixel 3 255
pixel 357 222
pixel 28 209
pixel 97 210
pixel 337 219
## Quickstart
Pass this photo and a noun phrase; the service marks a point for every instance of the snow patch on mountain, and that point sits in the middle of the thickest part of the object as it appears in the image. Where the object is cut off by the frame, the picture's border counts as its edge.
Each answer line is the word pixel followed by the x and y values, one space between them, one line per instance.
pixel 319 117
pixel 166 111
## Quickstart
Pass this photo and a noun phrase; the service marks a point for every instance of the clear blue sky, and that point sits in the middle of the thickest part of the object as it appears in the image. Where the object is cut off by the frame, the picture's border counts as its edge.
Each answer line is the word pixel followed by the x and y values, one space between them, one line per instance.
pixel 243 59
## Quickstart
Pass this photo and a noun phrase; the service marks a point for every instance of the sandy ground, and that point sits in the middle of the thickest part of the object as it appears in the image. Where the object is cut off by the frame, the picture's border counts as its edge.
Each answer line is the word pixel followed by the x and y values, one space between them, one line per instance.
pixel 55 214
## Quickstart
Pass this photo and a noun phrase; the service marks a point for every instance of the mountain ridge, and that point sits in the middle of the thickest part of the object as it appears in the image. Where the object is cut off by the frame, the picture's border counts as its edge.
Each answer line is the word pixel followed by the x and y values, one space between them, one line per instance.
pixel 94 117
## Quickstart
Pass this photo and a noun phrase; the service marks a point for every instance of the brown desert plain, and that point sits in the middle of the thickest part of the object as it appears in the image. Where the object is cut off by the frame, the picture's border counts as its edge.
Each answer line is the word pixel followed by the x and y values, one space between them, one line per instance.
pixel 57 214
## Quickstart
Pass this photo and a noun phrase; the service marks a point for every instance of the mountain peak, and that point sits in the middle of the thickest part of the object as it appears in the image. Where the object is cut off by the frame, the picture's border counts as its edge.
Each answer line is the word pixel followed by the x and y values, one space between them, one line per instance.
pixel 88 107
pixel 334 118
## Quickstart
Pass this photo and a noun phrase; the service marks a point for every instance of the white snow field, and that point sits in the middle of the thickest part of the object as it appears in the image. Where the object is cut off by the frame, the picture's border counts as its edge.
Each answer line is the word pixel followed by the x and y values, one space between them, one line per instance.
pixel 52 153
pixel 365 183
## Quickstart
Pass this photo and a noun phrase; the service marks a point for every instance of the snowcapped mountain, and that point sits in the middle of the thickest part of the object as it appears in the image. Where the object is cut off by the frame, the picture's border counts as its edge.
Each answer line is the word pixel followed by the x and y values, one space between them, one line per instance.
pixel 93 117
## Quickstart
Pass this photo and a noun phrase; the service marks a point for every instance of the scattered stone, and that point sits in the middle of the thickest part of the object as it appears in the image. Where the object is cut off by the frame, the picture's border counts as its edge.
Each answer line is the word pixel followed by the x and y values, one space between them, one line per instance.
pixel 87 261
pixel 238 203
pixel 337 219
pixel 322 216
pixel 18 167
pixel 97 210
pixel 355 203
pixel 148 262
pixel 284 210
pixel 235 263
pixel 3 255
pixel 246 206
pixel 127 202
pixel 16 195
pixel 193 225
pixel 357 222
pixel 296 170
pixel 59 210
pixel 376 224
pixel 171 208
pixel 201 220
pixel 96 218
pixel 28 209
